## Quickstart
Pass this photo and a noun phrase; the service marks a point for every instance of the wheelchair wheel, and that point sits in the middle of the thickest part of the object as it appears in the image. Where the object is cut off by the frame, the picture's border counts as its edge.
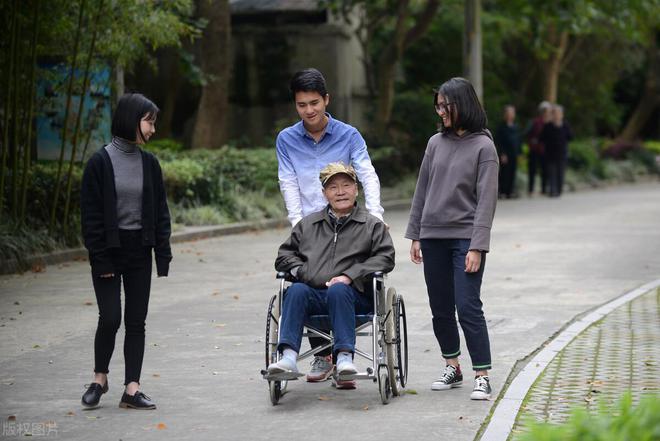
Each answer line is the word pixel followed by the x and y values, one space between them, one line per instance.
pixel 272 323
pixel 401 326
pixel 275 388
pixel 384 385
pixel 390 340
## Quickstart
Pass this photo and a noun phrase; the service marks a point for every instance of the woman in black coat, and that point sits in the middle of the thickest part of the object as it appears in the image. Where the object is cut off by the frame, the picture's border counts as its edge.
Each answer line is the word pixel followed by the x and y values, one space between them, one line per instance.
pixel 124 216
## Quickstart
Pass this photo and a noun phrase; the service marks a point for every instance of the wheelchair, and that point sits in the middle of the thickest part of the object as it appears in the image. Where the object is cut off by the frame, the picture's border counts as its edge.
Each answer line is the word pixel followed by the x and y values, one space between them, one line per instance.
pixel 387 327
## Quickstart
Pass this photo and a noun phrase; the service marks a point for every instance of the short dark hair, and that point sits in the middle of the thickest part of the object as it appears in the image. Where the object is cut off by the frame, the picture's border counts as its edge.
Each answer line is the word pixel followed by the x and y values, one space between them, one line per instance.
pixel 467 111
pixel 131 108
pixel 308 80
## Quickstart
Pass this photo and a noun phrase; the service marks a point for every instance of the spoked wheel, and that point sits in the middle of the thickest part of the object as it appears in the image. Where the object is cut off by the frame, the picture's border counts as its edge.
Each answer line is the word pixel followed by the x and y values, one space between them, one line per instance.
pixel 391 341
pixel 276 388
pixel 272 327
pixel 384 385
pixel 401 328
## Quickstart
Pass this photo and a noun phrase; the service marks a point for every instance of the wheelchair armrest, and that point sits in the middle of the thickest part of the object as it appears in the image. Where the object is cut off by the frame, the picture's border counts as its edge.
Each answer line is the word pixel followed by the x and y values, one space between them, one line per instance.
pixel 286 275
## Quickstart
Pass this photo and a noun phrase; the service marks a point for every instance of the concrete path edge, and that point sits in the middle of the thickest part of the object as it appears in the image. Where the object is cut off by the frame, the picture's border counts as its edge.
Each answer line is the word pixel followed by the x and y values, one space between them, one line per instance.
pixel 505 410
pixel 190 233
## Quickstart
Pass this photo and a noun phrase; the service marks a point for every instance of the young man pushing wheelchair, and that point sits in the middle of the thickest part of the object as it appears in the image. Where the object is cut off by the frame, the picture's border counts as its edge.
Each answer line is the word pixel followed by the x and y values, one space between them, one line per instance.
pixel 330 253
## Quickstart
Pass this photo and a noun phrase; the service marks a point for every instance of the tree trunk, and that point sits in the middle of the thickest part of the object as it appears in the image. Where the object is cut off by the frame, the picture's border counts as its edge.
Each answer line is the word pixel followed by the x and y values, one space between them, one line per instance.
pixel 552 66
pixel 65 123
pixel 169 69
pixel 8 94
pixel 17 62
pixel 210 130
pixel 30 112
pixel 401 39
pixel 472 60
pixel 650 97
pixel 81 103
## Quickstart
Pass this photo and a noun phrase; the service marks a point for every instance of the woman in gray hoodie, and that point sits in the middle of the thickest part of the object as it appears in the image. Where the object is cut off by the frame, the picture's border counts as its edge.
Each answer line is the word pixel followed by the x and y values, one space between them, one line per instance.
pixel 450 222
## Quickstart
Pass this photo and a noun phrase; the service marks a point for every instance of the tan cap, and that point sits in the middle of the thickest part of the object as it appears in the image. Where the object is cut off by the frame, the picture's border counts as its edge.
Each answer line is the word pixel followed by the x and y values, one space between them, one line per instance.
pixel 335 168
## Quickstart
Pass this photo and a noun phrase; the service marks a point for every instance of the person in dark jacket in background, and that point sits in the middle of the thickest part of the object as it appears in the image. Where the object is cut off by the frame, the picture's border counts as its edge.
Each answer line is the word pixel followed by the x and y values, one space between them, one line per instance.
pixel 450 221
pixel 555 137
pixel 507 141
pixel 124 216
pixel 536 155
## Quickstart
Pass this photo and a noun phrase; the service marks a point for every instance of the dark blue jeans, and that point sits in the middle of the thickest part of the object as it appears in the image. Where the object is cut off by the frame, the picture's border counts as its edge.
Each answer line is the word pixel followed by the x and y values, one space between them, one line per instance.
pixel 341 302
pixel 452 290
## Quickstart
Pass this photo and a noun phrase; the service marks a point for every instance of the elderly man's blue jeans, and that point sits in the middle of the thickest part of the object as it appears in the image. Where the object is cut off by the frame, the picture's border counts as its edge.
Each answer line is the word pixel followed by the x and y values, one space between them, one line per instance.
pixel 340 302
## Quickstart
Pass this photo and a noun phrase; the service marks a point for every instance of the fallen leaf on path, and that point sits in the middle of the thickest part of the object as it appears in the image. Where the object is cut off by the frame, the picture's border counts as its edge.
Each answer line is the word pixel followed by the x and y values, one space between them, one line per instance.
pixel 36 347
pixel 17 303
pixel 215 293
pixel 37 268
pixel 94 417
pixel 161 426
pixel 70 413
pixel 156 375
pixel 220 325
pixel 411 391
pixel 366 407
pixel 235 296
pixel 323 398
pixel 11 418
pixel 88 303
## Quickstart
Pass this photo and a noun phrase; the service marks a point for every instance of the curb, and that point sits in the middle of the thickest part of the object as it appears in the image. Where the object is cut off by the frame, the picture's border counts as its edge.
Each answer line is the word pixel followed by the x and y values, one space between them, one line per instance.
pixel 506 409
pixel 189 234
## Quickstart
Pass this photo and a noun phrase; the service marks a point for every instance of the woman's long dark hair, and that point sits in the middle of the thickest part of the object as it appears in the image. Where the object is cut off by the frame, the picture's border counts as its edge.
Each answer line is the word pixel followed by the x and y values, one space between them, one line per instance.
pixel 466 111
pixel 131 108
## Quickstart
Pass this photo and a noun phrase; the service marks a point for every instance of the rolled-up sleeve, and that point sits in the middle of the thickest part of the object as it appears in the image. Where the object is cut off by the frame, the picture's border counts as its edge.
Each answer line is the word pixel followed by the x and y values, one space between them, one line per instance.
pixel 288 183
pixel 366 175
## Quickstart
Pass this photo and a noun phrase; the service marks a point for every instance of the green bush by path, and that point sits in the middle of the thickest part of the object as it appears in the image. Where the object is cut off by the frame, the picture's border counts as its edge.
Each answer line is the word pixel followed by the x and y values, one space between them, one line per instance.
pixel 624 422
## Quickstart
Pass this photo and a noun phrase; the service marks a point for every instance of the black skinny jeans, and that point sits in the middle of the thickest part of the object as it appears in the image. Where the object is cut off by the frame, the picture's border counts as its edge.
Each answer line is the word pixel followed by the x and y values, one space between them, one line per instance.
pixel 451 290
pixel 133 263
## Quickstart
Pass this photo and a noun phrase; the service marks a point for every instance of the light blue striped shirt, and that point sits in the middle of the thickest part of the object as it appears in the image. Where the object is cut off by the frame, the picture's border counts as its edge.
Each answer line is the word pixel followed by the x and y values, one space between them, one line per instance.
pixel 301 159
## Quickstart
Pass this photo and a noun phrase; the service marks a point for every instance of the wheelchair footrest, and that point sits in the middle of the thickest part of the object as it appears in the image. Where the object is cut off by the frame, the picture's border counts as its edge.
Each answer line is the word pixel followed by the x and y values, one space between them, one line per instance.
pixel 358 376
pixel 281 376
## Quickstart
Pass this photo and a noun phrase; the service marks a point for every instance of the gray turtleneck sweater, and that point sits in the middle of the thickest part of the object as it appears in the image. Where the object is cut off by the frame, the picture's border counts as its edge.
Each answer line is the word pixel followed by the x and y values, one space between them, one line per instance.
pixel 127 166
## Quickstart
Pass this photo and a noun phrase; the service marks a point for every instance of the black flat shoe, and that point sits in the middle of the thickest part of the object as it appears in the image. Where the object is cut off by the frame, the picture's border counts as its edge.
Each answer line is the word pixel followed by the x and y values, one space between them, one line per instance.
pixel 92 396
pixel 138 401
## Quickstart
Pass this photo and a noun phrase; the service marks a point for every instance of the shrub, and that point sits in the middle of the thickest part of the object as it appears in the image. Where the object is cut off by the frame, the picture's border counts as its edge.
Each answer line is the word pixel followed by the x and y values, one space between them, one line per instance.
pixel 623 422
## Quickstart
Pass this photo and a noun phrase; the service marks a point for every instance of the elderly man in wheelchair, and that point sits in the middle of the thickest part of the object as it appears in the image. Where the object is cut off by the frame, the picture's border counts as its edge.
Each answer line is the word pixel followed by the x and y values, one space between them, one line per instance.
pixel 331 257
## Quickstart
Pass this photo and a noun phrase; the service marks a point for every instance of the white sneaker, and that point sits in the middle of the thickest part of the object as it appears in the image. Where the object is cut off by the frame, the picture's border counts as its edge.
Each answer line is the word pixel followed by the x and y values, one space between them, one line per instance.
pixel 284 365
pixel 346 367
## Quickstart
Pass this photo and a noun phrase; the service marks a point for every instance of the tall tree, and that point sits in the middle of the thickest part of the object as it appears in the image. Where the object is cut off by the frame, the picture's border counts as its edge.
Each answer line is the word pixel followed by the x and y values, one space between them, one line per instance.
pixel 472 62
pixel 395 24
pixel 650 97
pixel 210 130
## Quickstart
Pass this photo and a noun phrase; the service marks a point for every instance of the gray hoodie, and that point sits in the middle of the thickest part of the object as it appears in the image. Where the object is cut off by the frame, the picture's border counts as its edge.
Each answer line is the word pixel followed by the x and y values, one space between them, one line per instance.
pixel 456 191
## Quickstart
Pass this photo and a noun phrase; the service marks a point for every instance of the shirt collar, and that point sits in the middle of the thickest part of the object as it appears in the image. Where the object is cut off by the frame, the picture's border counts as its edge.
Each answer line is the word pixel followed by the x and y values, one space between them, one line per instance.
pixel 329 129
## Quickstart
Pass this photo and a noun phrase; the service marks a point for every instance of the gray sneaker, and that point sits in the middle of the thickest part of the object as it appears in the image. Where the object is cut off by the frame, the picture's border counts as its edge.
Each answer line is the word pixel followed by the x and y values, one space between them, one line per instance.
pixel 321 369
pixel 481 389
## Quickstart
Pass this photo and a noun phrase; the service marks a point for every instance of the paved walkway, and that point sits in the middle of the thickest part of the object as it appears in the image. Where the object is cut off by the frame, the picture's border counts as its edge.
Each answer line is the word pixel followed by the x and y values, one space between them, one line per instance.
pixel 615 355
pixel 551 261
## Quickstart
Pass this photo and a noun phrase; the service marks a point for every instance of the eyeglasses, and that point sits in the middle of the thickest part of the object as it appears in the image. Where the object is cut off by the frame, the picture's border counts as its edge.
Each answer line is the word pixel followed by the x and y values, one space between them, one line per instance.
pixel 443 106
